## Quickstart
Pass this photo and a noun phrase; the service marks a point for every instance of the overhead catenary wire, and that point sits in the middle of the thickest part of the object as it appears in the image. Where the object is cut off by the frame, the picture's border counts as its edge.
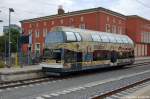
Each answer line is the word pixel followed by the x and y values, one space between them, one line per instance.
pixel 140 2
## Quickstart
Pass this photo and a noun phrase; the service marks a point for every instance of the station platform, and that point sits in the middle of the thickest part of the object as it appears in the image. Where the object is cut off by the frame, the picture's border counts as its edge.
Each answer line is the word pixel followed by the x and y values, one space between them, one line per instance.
pixel 34 71
pixel 26 72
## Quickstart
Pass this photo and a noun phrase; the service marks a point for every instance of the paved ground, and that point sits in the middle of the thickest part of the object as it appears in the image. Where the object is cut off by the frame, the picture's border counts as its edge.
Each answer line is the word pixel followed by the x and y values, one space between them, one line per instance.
pixel 25 68
pixel 143 93
pixel 31 91
pixel 37 67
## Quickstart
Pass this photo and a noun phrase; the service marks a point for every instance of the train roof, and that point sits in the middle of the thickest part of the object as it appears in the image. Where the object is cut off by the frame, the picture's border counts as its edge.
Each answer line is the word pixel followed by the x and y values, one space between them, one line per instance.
pixel 76 34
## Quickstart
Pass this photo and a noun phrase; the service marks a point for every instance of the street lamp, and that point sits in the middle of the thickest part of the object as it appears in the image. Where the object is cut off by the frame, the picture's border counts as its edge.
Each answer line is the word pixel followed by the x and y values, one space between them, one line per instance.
pixel 1 20
pixel 10 10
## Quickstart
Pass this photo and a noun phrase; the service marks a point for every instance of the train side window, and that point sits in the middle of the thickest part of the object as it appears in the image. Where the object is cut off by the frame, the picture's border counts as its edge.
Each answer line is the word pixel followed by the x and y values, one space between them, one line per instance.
pixel 101 55
pixel 70 36
pixel 78 36
pixel 104 38
pixel 96 37
pixel 112 39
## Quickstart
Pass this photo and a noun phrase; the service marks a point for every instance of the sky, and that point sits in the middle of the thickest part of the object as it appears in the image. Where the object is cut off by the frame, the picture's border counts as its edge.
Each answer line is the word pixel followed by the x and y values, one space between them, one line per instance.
pixel 27 9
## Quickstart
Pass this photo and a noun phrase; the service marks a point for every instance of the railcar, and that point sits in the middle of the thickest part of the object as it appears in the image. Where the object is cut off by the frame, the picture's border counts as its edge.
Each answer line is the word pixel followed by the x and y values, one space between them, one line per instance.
pixel 72 49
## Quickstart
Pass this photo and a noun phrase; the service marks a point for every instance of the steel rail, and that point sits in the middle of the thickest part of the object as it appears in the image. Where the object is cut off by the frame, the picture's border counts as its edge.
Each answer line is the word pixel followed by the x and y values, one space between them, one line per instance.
pixel 110 93
pixel 10 84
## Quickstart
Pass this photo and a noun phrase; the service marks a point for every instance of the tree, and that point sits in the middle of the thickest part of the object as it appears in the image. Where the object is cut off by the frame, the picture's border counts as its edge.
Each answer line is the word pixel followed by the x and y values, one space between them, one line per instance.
pixel 14 39
pixel 2 44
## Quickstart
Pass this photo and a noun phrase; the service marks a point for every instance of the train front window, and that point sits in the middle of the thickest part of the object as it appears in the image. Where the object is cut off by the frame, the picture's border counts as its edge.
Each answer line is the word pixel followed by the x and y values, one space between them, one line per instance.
pixel 54 37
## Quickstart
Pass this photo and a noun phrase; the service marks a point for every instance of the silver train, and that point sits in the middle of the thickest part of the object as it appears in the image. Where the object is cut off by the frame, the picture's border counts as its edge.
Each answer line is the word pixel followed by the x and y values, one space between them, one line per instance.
pixel 72 49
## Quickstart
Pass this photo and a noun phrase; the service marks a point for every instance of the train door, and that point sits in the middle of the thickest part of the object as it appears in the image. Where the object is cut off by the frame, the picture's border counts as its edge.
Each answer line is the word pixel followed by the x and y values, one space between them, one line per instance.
pixel 113 56
pixel 77 64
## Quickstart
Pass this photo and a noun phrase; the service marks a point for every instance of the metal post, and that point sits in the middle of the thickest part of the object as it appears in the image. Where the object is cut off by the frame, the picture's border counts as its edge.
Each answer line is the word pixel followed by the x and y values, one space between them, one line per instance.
pixel 10 10
pixel 5 49
pixel 9 41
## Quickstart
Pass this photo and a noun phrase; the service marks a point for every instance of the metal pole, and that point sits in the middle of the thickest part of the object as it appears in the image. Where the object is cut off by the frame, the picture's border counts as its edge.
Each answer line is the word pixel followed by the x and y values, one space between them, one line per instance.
pixel 5 49
pixel 9 41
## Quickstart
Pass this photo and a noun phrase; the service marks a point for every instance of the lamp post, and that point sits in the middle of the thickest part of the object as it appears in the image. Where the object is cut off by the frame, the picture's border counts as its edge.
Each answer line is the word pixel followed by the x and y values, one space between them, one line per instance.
pixel 10 10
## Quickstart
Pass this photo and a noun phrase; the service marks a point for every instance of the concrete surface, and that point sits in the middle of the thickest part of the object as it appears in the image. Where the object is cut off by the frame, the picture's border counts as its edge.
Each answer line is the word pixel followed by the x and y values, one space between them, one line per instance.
pixel 143 93
pixel 29 72
pixel 48 88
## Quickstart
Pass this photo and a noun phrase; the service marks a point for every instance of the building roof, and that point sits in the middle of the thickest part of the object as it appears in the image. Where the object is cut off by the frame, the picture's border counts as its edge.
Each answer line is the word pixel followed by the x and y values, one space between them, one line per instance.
pixel 74 13
pixel 136 16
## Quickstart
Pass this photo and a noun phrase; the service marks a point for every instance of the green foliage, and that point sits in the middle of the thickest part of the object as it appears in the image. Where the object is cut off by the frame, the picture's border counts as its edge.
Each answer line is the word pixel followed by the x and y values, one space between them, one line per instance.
pixel 2 65
pixel 2 43
pixel 14 35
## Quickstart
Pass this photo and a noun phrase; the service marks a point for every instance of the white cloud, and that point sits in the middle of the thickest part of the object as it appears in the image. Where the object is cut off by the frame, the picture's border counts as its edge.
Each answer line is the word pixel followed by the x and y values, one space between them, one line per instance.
pixel 25 9
pixel 132 7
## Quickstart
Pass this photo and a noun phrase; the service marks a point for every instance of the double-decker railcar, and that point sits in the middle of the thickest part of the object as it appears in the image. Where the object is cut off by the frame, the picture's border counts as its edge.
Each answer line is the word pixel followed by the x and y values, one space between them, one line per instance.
pixel 72 49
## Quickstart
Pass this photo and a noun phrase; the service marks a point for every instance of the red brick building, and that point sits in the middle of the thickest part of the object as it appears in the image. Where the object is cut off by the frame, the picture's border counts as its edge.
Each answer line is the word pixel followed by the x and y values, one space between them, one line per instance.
pixel 138 29
pixel 99 19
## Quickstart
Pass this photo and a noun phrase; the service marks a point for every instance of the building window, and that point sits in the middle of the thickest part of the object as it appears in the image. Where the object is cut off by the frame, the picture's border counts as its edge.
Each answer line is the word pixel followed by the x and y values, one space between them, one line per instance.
pixel 114 29
pixel 114 21
pixel 37 24
pixel 71 20
pixel 142 36
pixel 107 27
pixel 30 26
pixel 45 23
pixel 81 18
pixel 30 32
pixel 37 34
pixel 107 18
pixel 82 26
pixel 37 49
pixel 148 37
pixel 53 22
pixel 119 29
pixel 44 32
pixel 61 21
pixel 119 21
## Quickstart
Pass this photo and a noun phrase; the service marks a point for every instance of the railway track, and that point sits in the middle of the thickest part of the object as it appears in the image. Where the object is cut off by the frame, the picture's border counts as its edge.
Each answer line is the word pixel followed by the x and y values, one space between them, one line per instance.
pixel 124 90
pixel 4 85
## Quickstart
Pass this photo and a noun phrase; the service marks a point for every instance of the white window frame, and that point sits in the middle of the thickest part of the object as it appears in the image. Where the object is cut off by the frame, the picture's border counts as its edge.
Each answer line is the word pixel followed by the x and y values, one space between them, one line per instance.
pixel 82 26
pixel 37 34
pixel 107 19
pixel 107 28
pixel 53 22
pixel 45 23
pixel 81 18
pixel 37 49
pixel 44 32
pixel 61 21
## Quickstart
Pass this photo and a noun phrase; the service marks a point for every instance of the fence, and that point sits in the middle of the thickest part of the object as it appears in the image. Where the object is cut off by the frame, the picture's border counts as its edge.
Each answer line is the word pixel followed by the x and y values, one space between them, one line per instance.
pixel 20 59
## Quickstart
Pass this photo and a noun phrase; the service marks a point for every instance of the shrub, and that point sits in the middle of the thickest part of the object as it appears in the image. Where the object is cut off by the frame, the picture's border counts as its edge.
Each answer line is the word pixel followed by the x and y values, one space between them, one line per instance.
pixel 2 65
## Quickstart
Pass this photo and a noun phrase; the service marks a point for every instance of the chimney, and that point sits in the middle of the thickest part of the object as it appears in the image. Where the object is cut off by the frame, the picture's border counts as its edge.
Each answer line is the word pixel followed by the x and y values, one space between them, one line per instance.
pixel 60 10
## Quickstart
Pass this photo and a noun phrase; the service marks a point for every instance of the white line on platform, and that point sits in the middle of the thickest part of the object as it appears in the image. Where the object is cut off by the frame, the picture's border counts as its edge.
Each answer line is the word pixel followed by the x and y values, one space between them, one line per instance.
pixel 31 85
pixel 24 86
pixel 38 84
pixel 46 96
pixel 16 87
pixel 39 98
